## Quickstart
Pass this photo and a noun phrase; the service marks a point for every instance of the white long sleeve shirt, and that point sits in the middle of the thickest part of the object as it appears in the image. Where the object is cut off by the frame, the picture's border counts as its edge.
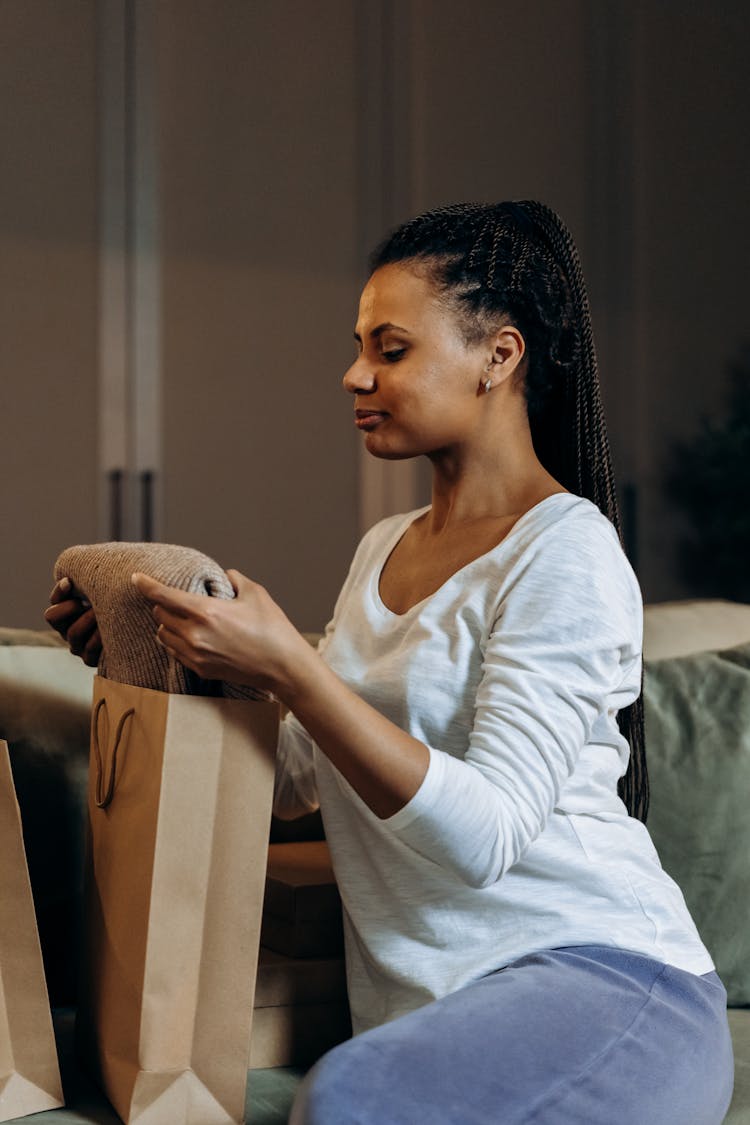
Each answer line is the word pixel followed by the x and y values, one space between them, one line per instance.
pixel 511 674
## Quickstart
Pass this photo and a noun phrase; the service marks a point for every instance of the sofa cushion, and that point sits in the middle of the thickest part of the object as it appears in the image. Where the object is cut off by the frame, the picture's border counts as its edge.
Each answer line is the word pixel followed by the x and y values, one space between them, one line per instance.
pixel 697 711
pixel 701 625
pixel 739 1110
pixel 38 638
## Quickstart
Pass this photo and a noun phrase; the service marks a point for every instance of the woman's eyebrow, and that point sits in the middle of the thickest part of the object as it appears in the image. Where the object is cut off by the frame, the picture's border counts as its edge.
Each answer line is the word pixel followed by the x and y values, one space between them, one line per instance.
pixel 381 328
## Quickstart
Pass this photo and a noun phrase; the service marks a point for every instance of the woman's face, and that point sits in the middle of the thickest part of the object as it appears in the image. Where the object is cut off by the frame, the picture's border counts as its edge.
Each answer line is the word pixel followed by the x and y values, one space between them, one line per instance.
pixel 416 382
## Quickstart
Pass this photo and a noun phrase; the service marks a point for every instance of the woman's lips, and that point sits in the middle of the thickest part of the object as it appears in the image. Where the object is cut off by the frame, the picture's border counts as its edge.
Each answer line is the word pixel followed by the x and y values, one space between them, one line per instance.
pixel 368 419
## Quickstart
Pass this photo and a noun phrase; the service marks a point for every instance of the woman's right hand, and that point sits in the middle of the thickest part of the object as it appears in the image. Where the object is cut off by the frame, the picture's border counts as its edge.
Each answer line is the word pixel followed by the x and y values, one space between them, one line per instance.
pixel 72 617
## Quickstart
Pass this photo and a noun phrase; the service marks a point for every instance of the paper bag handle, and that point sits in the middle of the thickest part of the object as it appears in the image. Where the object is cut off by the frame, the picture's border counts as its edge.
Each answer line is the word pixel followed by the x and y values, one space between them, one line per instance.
pixel 102 801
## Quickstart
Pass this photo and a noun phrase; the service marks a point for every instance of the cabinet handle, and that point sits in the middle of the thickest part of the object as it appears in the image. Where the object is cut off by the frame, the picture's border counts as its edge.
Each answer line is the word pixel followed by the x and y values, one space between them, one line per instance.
pixel 147 505
pixel 115 503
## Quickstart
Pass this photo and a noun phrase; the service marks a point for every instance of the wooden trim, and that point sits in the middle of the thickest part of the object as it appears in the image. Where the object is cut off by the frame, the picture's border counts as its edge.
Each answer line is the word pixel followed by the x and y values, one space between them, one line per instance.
pixel 129 267
pixel 113 257
pixel 145 294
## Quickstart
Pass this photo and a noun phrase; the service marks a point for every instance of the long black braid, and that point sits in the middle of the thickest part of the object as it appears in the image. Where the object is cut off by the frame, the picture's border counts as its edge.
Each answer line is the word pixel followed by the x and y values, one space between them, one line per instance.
pixel 517 260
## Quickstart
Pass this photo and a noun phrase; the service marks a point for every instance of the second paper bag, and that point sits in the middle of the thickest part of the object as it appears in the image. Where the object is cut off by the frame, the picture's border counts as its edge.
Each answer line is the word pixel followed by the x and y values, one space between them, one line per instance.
pixel 29 1072
pixel 180 794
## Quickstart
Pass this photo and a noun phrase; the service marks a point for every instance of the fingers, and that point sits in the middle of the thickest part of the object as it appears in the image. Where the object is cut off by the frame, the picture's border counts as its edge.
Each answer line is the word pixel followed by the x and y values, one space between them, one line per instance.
pixel 63 614
pixel 177 614
pixel 238 580
pixel 61 591
pixel 81 632
pixel 176 602
pixel 179 648
pixel 169 640
pixel 93 650
pixel 241 584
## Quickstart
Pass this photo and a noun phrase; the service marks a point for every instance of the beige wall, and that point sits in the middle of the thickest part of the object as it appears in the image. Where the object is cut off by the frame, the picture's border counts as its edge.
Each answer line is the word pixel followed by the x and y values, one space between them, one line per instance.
pixel 259 220
pixel 287 137
pixel 48 294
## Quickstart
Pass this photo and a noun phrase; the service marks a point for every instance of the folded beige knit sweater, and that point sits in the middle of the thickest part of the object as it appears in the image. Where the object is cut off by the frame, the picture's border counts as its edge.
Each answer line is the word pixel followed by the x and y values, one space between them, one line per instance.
pixel 102 573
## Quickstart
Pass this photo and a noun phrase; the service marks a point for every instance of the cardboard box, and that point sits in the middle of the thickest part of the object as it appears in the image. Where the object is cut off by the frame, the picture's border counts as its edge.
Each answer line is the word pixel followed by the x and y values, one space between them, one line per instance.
pixel 302 907
pixel 301 1009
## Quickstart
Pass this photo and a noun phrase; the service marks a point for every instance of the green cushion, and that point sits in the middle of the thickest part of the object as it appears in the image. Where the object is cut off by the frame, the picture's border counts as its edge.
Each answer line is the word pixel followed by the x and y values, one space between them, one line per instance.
pixel 739 1111
pixel 698 746
pixel 37 638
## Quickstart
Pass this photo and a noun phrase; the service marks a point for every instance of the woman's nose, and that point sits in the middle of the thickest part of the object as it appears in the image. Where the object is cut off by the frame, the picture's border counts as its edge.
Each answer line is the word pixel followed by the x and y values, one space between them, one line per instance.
pixel 360 378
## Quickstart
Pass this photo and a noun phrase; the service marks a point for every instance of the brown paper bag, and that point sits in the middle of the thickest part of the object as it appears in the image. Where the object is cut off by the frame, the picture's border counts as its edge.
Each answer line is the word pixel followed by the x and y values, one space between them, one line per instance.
pixel 180 793
pixel 29 1072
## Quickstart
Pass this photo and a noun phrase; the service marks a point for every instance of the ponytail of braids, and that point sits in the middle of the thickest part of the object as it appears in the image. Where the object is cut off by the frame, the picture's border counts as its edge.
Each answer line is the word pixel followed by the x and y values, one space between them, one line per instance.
pixel 590 465
pixel 518 260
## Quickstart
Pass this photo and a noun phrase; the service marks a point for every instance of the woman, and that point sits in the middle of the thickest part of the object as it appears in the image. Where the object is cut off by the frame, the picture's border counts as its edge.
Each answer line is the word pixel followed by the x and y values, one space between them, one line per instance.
pixel 515 952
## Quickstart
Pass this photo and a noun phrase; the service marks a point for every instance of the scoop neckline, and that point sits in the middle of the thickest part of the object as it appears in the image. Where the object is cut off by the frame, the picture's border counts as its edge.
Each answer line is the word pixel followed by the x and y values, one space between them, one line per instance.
pixel 403 526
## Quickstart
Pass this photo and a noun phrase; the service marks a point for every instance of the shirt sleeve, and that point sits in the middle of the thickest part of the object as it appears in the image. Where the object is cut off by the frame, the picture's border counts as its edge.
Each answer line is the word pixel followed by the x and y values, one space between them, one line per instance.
pixel 560 654
pixel 295 787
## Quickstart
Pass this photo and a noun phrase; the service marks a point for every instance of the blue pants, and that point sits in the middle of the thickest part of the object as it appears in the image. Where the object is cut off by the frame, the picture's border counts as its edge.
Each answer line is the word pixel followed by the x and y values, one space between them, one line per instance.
pixel 585 1035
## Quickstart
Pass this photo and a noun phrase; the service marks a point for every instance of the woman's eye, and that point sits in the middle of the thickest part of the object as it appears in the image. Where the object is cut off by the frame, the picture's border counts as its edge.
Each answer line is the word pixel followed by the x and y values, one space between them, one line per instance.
pixel 393 355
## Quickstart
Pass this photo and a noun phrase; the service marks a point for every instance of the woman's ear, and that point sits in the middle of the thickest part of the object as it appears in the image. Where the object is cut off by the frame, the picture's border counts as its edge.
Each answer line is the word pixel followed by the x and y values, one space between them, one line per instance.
pixel 508 349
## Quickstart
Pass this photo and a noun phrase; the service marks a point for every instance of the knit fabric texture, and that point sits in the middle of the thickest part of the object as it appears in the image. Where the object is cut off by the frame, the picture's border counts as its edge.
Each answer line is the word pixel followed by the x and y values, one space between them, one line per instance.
pixel 101 573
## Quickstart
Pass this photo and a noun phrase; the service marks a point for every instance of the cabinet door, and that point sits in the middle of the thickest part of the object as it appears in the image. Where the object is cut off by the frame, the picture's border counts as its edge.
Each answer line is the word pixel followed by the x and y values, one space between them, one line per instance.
pixel 257 181
pixel 48 294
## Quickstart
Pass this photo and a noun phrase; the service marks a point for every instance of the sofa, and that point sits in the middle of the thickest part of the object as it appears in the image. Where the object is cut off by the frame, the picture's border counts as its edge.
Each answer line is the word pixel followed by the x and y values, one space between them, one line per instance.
pixel 697 697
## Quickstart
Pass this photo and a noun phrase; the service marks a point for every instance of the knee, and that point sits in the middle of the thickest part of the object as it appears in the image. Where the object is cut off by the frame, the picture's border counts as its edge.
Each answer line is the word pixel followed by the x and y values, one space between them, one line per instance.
pixel 331 1094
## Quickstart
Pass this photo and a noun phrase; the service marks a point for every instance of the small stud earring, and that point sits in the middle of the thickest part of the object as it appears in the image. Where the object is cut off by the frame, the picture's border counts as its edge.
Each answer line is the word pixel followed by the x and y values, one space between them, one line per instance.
pixel 487 384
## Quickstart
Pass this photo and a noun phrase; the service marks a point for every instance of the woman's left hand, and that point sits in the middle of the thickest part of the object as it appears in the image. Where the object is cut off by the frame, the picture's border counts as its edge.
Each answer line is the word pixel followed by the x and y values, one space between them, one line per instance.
pixel 246 640
pixel 249 640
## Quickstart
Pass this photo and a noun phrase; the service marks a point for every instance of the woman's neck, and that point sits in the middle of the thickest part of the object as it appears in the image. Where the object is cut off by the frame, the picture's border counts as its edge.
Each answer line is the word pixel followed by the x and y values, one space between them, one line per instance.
pixel 496 484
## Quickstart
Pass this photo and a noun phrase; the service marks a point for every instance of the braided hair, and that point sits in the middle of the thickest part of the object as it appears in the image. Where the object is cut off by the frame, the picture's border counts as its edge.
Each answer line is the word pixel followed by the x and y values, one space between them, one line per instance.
pixel 517 262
